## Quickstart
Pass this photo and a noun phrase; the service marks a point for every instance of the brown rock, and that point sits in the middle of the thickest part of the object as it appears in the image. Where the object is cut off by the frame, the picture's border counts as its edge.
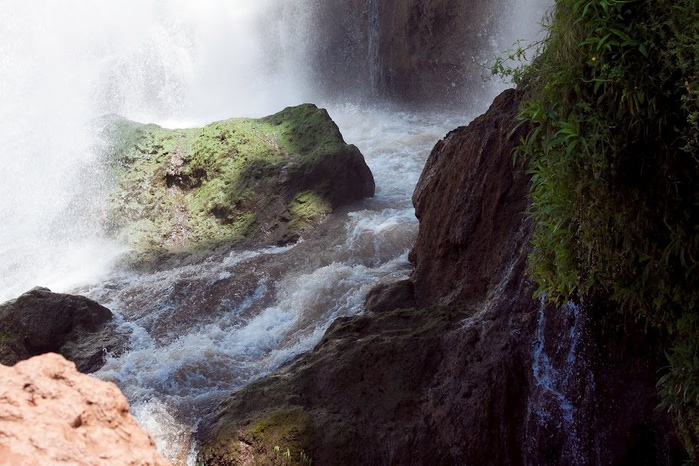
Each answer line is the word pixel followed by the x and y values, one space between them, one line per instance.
pixel 389 296
pixel 470 201
pixel 41 321
pixel 413 52
pixel 50 414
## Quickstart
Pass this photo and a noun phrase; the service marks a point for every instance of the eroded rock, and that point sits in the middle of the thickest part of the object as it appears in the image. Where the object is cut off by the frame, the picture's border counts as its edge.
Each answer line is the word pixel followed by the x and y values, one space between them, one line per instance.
pixel 52 414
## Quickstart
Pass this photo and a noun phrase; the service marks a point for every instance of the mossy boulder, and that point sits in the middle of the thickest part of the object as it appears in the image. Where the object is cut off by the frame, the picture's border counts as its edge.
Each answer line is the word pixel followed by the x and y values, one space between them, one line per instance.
pixel 277 437
pixel 239 181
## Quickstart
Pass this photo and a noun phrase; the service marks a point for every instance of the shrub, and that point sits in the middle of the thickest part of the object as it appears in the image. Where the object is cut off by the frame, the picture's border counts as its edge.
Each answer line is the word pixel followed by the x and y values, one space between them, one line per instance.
pixel 613 99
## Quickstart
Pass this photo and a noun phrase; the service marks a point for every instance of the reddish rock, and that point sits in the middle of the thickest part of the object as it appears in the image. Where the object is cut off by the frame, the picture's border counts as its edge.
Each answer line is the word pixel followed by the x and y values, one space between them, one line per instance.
pixel 50 414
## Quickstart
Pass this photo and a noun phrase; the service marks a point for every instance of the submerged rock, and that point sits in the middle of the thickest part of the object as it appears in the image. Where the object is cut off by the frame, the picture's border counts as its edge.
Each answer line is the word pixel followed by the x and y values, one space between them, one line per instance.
pixel 241 180
pixel 52 414
pixel 475 371
pixel 41 321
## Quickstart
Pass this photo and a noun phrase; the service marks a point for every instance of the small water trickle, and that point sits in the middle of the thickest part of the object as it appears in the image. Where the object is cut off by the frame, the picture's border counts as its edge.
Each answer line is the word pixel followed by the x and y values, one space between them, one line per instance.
pixel 561 379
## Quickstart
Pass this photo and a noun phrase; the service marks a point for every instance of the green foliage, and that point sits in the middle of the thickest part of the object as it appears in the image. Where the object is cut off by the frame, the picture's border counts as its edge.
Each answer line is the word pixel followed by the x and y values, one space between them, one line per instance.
pixel 613 101
pixel 512 65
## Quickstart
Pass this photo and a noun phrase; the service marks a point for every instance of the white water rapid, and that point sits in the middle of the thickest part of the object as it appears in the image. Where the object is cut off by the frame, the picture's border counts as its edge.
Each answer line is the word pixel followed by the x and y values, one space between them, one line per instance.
pixel 200 330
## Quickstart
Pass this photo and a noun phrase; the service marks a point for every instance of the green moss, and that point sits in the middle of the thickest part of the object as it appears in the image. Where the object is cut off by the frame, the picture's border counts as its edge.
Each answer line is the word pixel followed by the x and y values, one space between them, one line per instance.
pixel 306 209
pixel 304 130
pixel 230 181
pixel 279 437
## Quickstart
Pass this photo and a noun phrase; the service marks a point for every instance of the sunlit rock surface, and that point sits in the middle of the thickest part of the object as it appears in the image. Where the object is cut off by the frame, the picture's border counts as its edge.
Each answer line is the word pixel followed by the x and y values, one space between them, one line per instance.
pixel 241 181
pixel 50 414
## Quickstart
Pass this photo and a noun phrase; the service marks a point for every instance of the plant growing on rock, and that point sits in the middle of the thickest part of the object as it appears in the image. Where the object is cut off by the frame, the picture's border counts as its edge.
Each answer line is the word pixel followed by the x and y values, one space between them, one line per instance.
pixel 613 102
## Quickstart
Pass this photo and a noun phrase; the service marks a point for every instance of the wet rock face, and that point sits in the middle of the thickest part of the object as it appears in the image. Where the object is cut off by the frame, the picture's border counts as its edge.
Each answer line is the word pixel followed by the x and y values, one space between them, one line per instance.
pixel 52 414
pixel 40 321
pixel 413 52
pixel 592 396
pixel 470 202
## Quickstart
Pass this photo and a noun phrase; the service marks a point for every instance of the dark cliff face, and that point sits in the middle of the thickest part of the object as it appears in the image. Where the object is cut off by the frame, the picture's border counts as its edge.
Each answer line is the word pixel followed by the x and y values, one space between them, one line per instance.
pixel 408 51
pixel 460 365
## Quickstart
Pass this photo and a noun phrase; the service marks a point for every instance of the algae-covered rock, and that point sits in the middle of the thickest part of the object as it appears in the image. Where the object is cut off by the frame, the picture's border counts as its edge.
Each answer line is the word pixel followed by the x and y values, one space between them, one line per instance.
pixel 239 180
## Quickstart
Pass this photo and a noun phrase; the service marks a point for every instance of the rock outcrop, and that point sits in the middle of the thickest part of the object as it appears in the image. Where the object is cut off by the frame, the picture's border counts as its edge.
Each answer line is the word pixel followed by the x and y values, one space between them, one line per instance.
pixel 235 181
pixel 40 321
pixel 461 365
pixel 50 414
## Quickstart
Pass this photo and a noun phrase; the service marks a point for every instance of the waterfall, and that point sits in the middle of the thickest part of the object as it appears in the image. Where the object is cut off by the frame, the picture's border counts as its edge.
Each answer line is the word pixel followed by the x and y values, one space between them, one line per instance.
pixel 199 330
pixel 373 30
pixel 62 65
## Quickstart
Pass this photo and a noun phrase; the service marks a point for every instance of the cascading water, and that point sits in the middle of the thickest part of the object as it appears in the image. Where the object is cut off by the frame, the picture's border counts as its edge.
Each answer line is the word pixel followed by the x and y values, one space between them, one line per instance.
pixel 373 29
pixel 196 331
pixel 562 384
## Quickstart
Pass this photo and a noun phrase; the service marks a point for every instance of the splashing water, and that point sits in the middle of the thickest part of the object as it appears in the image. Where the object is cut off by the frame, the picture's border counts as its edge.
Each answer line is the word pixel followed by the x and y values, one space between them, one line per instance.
pixel 196 331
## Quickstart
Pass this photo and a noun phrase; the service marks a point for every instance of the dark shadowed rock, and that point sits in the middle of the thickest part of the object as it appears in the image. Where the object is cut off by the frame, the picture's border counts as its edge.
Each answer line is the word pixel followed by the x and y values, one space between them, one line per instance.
pixel 476 371
pixel 389 296
pixel 40 321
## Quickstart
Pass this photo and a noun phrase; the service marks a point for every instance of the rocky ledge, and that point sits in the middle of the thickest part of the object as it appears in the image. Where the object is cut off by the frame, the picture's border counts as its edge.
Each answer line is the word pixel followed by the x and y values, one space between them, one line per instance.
pixel 235 181
pixel 52 414
pixel 460 364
